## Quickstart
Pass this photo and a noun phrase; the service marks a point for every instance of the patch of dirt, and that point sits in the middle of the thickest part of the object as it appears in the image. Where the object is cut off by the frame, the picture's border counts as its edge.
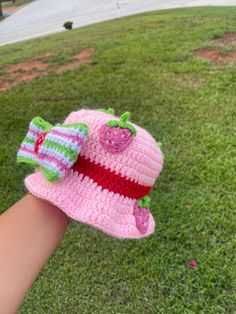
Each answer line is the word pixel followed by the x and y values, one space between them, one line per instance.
pixel 17 79
pixel 68 66
pixel 223 50
pixel 84 55
pixel 27 71
pixel 28 66
pixel 227 38
pixel 215 56
pixel 45 55
pixel 51 53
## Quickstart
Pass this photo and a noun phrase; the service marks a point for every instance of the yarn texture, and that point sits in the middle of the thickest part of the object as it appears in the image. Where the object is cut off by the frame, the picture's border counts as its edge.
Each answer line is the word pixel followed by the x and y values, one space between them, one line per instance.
pixel 53 149
pixel 106 183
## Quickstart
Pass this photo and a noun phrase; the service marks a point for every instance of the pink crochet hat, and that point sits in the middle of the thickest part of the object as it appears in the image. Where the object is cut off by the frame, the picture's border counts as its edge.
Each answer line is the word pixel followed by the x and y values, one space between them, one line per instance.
pixel 107 182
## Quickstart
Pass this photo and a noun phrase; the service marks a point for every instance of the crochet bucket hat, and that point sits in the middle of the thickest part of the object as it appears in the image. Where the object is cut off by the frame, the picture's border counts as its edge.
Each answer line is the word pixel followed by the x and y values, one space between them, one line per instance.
pixel 97 168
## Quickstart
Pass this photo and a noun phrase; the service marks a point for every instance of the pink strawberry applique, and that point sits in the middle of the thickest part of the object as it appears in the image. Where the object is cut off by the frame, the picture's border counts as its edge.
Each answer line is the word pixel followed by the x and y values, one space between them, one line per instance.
pixel 141 214
pixel 116 136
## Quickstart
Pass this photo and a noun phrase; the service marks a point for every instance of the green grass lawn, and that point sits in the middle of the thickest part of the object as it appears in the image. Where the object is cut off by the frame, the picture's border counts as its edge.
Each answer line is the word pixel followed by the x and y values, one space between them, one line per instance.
pixel 145 64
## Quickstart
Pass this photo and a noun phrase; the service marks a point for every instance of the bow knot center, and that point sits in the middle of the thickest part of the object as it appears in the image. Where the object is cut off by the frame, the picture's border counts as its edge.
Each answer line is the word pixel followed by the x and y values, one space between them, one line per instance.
pixel 39 142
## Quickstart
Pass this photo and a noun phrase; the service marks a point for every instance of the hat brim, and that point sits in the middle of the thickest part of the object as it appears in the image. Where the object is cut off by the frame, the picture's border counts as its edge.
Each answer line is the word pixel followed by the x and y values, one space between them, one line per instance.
pixel 83 200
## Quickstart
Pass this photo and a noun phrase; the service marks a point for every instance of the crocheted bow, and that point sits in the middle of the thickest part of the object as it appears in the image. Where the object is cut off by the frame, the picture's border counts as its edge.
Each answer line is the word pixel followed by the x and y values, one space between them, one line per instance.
pixel 54 149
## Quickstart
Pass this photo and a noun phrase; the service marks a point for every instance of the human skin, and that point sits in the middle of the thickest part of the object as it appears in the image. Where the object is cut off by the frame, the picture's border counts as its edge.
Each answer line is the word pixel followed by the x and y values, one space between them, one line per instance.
pixel 30 231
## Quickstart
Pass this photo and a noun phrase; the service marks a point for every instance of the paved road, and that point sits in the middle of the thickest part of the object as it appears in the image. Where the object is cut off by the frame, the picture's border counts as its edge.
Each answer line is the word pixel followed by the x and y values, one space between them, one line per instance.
pixel 42 17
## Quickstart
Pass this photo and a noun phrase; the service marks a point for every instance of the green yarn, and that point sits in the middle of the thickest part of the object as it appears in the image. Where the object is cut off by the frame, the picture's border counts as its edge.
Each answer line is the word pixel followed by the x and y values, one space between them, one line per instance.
pixel 144 202
pixel 42 124
pixel 122 123
pixel 29 140
pixel 79 126
pixel 21 159
pixel 49 174
pixel 109 110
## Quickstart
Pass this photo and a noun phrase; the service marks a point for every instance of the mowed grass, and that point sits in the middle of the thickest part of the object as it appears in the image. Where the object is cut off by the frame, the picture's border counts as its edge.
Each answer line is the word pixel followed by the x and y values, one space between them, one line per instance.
pixel 145 64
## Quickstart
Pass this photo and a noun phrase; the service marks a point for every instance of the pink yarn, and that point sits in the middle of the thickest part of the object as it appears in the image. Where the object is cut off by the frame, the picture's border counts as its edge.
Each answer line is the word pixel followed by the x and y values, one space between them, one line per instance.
pixel 68 136
pixel 27 150
pixel 82 199
pixel 116 139
pixel 85 202
pixel 142 161
pixel 52 160
pixel 142 218
pixel 34 132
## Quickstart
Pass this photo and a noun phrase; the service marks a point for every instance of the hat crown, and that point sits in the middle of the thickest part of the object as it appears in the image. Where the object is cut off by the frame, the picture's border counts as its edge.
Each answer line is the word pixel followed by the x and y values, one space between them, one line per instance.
pixel 141 161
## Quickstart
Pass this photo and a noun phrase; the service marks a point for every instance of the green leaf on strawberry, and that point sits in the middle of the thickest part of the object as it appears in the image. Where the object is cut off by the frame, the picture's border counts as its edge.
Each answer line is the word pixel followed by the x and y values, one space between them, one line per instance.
pixel 122 123
pixel 144 202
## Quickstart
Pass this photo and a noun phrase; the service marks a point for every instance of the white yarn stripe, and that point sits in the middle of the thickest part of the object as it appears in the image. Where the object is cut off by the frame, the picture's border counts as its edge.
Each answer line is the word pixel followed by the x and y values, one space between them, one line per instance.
pixel 65 142
pixel 52 153
pixel 71 131
pixel 36 128
pixel 27 145
pixel 31 136
pixel 27 155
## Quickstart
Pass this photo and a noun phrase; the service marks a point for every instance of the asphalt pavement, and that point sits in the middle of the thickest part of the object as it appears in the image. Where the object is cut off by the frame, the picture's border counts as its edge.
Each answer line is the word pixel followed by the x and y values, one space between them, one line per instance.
pixel 43 17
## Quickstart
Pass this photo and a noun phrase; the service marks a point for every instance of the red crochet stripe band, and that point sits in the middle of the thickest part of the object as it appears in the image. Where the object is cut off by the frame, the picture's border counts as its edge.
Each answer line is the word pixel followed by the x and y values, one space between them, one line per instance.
pixel 109 180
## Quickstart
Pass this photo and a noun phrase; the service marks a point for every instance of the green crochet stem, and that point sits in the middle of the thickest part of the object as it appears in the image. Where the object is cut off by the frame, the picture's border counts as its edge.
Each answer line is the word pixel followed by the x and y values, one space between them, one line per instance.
pixel 144 202
pixel 122 123
pixel 159 144
pixel 109 110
